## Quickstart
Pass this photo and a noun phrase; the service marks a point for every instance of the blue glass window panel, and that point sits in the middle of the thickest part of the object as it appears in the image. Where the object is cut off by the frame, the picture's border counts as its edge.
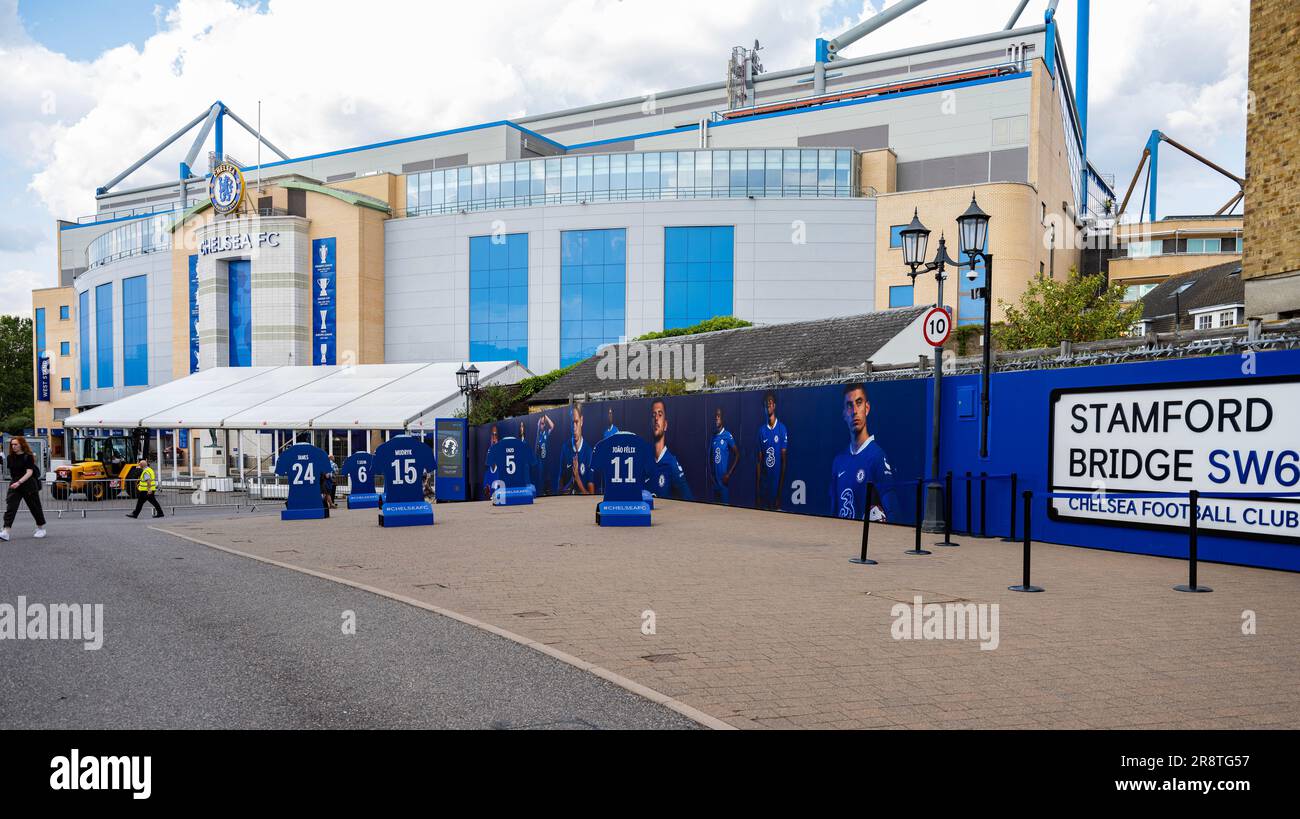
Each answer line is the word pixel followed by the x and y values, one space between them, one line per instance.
pixel 518 304
pixel 104 335
pixel 675 245
pixel 65 384
pixel 593 247
pixel 900 295
pixel 499 296
pixel 675 303
pixel 697 298
pixel 240 317
pixel 478 252
pixel 615 246
pixel 896 235
pixel 720 300
pixel 593 300
pixel 570 247
pixel 65 312
pixel 83 319
pixel 40 330
pixel 517 247
pixel 615 299
pixel 720 245
pixel 700 287
pixel 135 332
pixel 65 348
pixel 592 290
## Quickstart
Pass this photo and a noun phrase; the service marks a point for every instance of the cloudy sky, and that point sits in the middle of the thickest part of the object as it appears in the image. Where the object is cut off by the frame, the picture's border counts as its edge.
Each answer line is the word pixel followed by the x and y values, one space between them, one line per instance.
pixel 89 87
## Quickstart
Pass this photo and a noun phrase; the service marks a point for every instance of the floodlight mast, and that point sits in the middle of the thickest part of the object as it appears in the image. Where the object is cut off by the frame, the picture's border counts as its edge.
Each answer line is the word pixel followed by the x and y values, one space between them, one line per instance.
pixel 827 50
pixel 213 120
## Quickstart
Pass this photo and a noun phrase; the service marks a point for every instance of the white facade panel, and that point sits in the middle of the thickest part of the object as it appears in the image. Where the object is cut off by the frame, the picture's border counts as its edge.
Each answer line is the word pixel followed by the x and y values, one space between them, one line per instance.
pixel 793 260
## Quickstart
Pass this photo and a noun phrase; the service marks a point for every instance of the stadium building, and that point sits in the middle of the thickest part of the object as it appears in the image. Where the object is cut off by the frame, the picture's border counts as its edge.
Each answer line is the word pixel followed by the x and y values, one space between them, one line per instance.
pixel 772 196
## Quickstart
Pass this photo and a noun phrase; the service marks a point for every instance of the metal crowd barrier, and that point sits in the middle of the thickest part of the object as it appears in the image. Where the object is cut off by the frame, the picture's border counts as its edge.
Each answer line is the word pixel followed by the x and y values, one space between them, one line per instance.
pixel 115 495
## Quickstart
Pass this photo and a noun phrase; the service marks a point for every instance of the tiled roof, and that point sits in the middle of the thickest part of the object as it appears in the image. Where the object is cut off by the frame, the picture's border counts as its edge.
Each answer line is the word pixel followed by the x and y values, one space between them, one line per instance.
pixel 1207 287
pixel 752 352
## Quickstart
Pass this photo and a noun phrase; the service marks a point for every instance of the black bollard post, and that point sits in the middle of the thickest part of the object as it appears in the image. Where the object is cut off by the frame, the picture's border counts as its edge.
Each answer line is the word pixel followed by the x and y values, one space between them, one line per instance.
pixel 984 505
pixel 1025 585
pixel 1011 538
pixel 920 513
pixel 866 530
pixel 947 520
pixel 1193 506
pixel 969 530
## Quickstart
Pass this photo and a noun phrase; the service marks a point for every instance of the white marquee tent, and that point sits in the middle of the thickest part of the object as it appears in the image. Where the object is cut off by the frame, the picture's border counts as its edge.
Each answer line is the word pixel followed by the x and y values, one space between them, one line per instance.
pixel 362 396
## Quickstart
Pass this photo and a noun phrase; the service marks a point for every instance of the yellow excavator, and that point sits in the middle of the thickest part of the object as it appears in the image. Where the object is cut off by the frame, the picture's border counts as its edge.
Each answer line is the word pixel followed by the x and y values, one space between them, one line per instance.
pixel 103 466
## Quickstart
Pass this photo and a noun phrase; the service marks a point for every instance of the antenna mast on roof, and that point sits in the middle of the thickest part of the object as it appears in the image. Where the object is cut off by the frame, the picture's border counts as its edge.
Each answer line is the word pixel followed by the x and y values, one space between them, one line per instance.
pixel 742 69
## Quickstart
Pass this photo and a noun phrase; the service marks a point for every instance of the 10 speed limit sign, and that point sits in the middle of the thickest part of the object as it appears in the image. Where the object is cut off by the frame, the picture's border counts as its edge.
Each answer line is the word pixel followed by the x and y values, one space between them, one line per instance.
pixel 937 326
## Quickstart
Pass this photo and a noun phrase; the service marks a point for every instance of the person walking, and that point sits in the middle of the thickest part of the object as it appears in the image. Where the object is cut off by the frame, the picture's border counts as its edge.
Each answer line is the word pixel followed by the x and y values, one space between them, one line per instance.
pixel 146 487
pixel 24 486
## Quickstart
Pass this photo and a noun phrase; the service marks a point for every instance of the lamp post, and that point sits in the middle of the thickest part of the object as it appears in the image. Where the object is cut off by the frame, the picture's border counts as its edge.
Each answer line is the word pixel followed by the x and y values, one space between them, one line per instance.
pixel 973 226
pixel 973 233
pixel 467 381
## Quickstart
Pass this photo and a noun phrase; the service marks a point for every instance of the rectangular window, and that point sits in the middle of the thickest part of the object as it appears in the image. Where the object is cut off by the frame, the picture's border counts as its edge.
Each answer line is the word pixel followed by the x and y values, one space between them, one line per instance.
pixel 1227 318
pixel 104 335
pixel 498 298
pixel 698 274
pixel 240 314
pixel 1204 321
pixel 39 323
pixel 65 312
pixel 65 348
pixel 593 291
pixel 83 319
pixel 65 384
pixel 900 295
pixel 135 331
pixel 896 235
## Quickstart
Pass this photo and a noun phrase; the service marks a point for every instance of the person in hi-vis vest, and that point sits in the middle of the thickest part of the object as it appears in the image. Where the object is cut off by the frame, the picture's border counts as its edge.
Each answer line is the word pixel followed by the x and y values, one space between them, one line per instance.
pixel 145 487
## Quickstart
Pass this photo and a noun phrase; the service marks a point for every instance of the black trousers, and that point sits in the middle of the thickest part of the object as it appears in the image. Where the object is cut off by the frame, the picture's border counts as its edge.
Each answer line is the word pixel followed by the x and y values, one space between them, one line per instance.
pixel 17 496
pixel 146 497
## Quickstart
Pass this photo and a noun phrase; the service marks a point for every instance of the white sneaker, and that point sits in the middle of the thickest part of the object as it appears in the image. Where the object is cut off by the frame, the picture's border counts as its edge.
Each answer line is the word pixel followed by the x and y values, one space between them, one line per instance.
pixel 4 534
pixel 39 533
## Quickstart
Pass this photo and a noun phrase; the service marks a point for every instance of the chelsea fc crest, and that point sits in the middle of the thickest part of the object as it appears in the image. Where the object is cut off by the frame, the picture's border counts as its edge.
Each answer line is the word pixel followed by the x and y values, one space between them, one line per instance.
pixel 226 188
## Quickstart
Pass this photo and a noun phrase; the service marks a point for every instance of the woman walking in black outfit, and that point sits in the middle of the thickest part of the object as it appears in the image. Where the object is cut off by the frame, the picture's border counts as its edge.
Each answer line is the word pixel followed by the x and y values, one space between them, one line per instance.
pixel 24 486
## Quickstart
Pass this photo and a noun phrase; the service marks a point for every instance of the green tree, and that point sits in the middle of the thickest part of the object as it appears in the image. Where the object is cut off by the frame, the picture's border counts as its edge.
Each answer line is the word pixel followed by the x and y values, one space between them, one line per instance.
pixel 706 326
pixel 16 369
pixel 496 401
pixel 1078 308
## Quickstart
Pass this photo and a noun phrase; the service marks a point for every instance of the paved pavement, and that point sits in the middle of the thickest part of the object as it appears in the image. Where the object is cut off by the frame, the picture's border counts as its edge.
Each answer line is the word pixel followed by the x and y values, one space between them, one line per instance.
pixel 761 621
pixel 197 638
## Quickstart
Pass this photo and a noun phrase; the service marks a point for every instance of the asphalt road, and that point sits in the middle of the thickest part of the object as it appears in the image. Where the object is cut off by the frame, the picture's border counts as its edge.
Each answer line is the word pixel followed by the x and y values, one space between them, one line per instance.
pixel 197 638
